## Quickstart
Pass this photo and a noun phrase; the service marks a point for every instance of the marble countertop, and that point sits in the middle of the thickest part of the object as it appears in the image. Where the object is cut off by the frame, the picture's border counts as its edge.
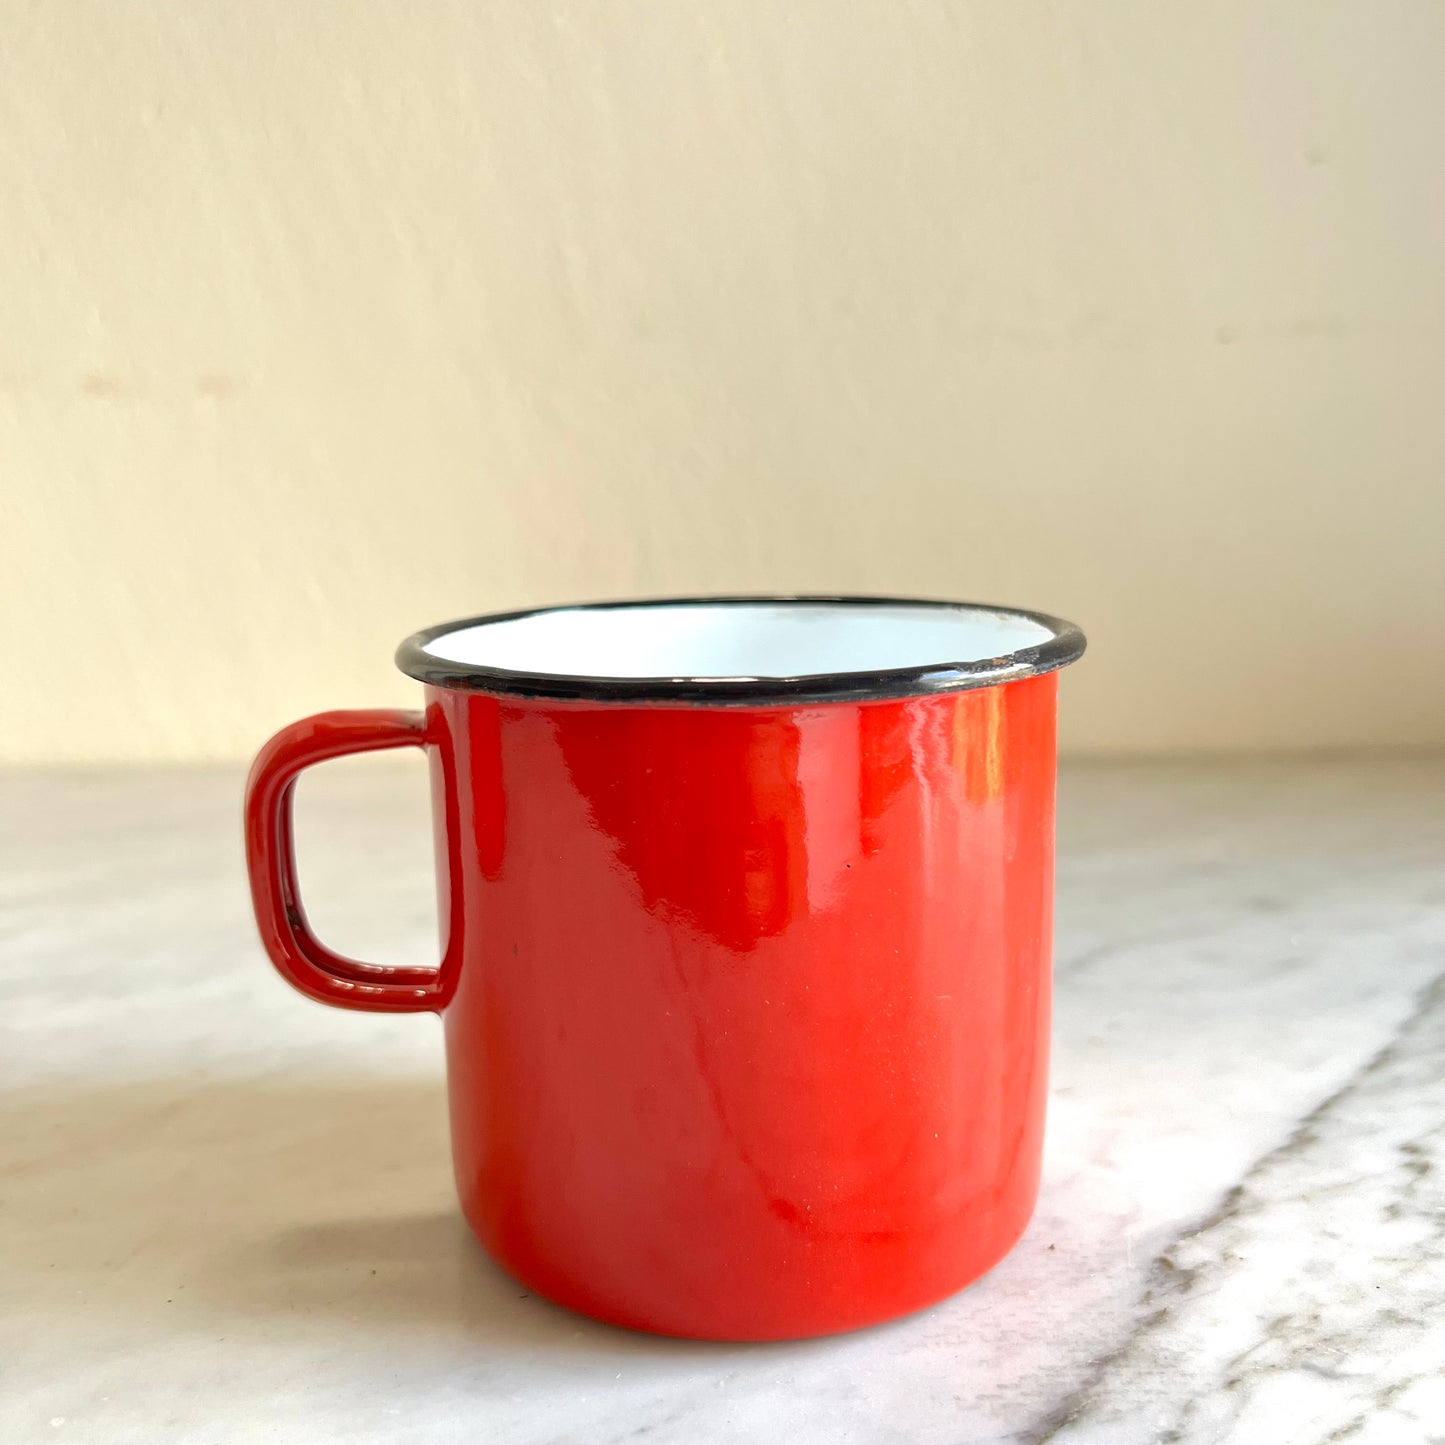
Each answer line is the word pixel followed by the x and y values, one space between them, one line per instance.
pixel 226 1214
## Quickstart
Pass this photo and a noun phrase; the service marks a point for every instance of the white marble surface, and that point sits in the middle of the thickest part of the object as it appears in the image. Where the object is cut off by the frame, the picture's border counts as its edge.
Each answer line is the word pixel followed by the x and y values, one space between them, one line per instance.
pixel 226 1213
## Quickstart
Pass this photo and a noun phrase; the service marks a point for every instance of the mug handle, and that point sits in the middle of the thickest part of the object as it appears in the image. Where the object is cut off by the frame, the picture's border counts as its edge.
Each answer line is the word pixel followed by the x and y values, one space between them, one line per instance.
pixel 299 956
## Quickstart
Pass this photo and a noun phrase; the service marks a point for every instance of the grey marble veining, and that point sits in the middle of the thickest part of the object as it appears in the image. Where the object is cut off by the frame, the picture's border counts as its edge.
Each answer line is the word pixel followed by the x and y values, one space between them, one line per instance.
pixel 226 1214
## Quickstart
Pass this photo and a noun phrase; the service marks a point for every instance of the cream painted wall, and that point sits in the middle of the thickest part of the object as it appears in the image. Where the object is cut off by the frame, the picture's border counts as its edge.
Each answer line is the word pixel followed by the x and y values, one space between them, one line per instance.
pixel 320 322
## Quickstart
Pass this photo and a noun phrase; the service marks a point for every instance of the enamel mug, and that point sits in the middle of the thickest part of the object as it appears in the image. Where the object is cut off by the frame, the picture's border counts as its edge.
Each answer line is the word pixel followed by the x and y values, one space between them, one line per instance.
pixel 745 910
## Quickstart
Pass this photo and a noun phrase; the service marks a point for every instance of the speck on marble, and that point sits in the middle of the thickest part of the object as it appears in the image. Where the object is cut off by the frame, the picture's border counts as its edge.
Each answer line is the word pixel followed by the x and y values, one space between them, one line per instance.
pixel 226 1214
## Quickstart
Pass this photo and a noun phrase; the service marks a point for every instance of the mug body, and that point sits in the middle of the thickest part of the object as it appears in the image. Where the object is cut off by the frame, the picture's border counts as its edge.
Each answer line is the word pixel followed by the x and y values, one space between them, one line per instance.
pixel 749 1037
pixel 746 915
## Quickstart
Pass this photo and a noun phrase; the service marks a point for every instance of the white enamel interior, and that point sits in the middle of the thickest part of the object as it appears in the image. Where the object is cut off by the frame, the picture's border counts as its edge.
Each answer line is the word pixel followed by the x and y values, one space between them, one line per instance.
pixel 738 640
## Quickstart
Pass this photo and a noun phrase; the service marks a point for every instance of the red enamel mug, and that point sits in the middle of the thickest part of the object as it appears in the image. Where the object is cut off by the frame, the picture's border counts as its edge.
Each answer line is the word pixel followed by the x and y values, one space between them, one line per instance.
pixel 746 915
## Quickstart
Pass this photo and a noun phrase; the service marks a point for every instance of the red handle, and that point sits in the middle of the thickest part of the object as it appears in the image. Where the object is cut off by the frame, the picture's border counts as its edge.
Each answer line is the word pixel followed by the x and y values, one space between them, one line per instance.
pixel 301 958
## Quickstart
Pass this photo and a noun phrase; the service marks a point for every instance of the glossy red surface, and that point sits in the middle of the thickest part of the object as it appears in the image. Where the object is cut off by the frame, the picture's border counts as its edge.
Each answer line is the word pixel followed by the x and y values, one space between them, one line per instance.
pixel 746 1010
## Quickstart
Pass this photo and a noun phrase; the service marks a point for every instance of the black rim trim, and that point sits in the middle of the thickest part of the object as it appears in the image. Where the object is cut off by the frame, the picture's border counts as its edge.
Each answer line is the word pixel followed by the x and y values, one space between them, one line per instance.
pixel 1063 647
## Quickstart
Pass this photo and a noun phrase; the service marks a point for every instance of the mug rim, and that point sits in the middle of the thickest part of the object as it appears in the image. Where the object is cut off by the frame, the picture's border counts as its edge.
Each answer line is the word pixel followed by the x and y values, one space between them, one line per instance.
pixel 1065 644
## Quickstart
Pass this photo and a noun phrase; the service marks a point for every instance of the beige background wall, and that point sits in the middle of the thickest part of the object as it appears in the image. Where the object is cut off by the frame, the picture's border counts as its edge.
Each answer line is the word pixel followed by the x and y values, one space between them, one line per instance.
pixel 320 322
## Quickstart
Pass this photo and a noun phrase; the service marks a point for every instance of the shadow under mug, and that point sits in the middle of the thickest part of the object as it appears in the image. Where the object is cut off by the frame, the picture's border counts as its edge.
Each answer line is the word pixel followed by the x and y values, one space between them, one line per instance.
pixel 746 912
